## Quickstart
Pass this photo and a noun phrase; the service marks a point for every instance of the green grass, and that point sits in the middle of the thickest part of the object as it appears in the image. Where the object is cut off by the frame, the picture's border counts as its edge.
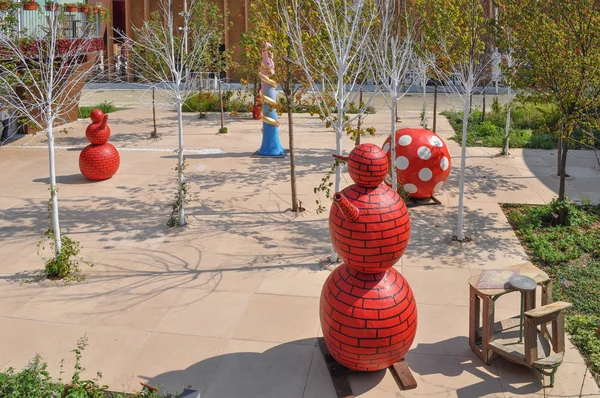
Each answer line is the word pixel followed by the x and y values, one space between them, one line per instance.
pixel 106 107
pixel 531 126
pixel 34 381
pixel 571 252
pixel 209 102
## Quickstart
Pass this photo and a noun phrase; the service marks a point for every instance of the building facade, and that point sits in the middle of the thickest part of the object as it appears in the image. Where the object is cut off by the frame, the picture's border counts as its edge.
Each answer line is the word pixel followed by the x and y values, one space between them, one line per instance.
pixel 129 13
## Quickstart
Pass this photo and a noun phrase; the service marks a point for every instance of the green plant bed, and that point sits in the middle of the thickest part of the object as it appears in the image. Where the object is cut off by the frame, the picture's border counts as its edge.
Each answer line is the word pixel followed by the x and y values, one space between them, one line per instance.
pixel 208 101
pixel 532 126
pixel 106 107
pixel 34 381
pixel 568 252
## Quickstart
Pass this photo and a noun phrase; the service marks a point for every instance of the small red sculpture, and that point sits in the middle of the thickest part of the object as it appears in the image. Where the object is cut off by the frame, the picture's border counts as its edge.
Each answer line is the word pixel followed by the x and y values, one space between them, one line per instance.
pixel 422 162
pixel 368 312
pixel 100 160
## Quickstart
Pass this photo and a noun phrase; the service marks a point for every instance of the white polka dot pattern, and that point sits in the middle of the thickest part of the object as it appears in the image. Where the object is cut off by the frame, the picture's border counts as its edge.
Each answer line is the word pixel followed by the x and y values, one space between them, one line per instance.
pixel 422 161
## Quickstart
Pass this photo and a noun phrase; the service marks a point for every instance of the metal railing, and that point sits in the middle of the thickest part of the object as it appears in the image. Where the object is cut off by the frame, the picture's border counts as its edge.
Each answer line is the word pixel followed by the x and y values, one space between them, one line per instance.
pixel 35 24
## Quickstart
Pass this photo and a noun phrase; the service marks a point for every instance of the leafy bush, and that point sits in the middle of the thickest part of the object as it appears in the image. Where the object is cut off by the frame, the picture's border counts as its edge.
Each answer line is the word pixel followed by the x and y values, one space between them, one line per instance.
pixel 207 101
pixel 531 126
pixel 34 381
pixel 582 328
pixel 570 252
pixel 106 107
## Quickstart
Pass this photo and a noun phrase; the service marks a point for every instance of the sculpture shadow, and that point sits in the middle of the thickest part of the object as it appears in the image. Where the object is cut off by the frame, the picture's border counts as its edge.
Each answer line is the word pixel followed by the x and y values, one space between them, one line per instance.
pixel 517 380
pixel 73 179
pixel 293 370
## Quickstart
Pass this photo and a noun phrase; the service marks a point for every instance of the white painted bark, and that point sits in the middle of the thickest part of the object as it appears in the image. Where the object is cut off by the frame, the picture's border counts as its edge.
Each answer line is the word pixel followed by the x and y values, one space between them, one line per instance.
pixel 507 128
pixel 180 164
pixel 393 144
pixel 54 193
pixel 463 159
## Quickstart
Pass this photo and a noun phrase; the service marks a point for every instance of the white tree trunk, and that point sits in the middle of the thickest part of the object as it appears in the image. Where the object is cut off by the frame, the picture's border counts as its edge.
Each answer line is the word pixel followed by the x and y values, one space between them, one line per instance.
pixel 180 163
pixel 393 143
pixel 54 198
pixel 507 131
pixel 424 103
pixel 338 142
pixel 463 161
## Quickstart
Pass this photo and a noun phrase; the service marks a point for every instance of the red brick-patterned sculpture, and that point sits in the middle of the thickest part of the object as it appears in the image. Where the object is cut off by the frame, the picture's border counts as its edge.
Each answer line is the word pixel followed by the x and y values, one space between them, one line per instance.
pixel 368 312
pixel 422 162
pixel 100 160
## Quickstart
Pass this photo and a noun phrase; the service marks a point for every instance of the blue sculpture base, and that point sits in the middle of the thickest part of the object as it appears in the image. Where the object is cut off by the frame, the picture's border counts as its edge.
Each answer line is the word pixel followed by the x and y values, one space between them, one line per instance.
pixel 282 156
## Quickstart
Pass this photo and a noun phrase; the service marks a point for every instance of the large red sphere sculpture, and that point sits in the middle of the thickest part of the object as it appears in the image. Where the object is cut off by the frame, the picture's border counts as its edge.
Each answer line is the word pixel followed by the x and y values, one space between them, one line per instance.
pixel 368 312
pixel 99 160
pixel 422 161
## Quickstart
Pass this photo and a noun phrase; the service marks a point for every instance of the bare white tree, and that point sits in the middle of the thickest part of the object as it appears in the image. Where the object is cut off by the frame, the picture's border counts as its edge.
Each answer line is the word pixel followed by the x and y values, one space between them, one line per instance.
pixel 338 32
pixel 330 39
pixel 169 58
pixel 422 65
pixel 41 77
pixel 460 35
pixel 392 51
pixel 510 95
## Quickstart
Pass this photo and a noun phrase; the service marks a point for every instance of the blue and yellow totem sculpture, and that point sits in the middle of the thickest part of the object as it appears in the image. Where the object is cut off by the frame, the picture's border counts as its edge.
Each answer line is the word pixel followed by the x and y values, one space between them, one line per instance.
pixel 271 146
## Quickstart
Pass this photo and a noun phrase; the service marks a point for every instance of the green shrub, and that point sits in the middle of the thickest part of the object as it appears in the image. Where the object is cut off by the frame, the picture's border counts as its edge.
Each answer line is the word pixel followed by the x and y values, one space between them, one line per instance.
pixel 583 328
pixel 34 381
pixel 532 126
pixel 570 252
pixel 106 107
pixel 208 101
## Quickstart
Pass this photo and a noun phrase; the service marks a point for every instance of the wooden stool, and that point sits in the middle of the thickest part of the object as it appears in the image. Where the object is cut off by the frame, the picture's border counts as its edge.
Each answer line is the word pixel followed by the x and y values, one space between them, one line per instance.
pixel 536 348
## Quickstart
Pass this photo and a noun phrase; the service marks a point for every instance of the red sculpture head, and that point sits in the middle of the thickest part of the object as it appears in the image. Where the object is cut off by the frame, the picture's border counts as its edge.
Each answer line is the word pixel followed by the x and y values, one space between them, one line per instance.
pixel 368 222
pixel 97 115
pixel 367 164
pixel 98 133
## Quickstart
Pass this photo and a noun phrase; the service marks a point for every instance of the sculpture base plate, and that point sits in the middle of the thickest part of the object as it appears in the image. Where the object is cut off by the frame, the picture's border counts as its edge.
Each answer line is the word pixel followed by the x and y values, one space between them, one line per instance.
pixel 257 155
pixel 339 374
pixel 416 202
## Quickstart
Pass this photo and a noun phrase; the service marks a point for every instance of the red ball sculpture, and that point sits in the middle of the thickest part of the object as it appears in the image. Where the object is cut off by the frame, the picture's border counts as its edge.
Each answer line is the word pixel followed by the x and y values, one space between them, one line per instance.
pixel 368 312
pixel 422 162
pixel 99 160
pixel 369 321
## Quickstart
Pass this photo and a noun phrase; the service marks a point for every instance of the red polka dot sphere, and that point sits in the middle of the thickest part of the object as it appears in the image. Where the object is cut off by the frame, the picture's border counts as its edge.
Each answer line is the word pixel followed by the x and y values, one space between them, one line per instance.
pixel 369 321
pixel 369 226
pixel 99 162
pixel 422 162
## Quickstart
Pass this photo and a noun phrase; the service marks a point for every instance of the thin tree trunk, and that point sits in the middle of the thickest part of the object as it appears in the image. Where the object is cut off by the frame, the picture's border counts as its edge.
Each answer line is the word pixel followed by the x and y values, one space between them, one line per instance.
pixel 562 186
pixel 53 192
pixel 483 106
pixel 359 124
pixel 424 104
pixel 180 165
pixel 506 150
pixel 463 166
pixel 154 110
pixel 562 167
pixel 290 108
pixel 435 99
pixel 559 153
pixel 393 144
pixel 292 155
pixel 221 100
pixel 338 142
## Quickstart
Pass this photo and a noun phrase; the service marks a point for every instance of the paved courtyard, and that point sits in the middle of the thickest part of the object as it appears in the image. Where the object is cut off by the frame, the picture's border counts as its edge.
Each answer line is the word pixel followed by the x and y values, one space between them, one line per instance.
pixel 229 304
